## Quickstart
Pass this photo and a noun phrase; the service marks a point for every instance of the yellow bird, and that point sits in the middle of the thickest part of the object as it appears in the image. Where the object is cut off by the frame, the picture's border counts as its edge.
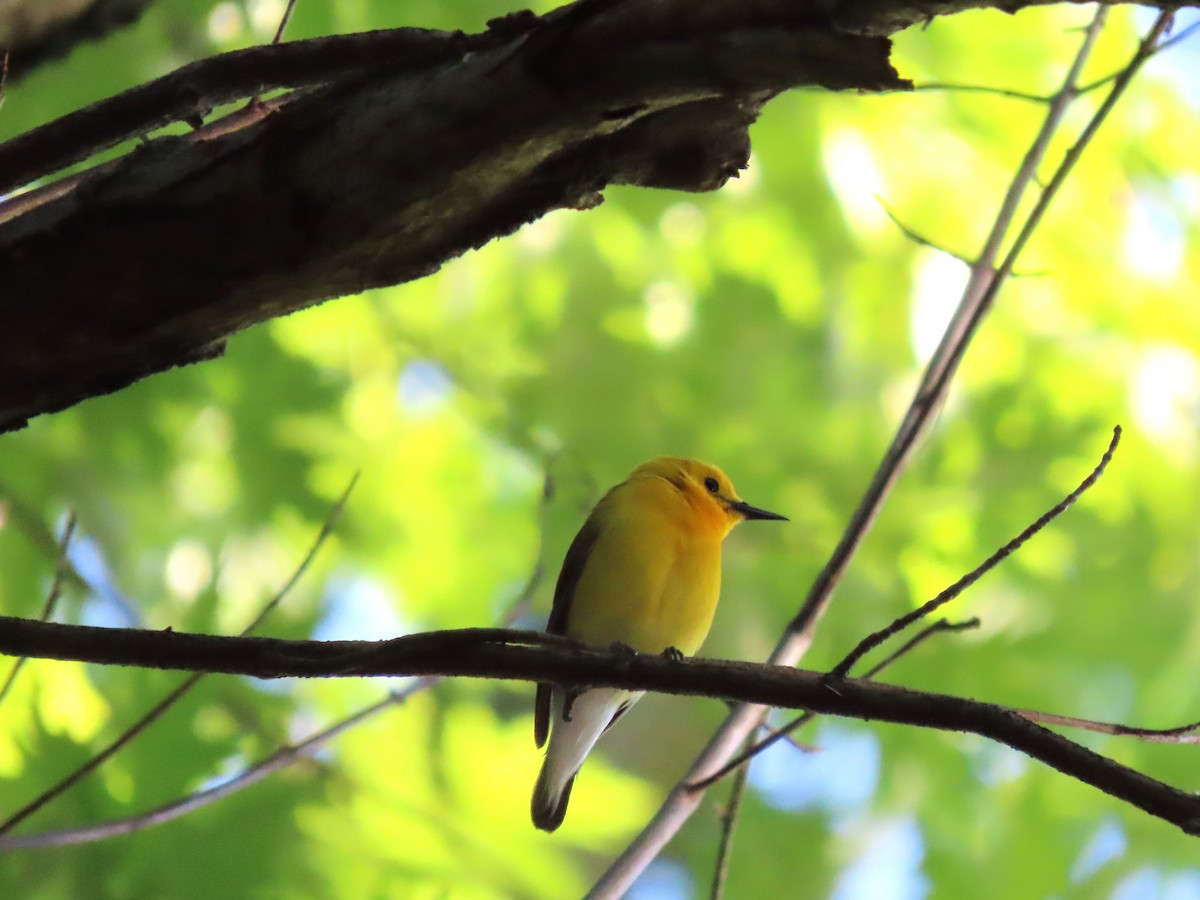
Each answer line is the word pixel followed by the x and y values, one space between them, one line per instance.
pixel 644 571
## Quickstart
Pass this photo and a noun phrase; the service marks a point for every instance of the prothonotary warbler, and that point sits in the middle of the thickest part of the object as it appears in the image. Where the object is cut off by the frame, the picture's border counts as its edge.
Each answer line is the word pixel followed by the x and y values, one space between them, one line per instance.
pixel 644 571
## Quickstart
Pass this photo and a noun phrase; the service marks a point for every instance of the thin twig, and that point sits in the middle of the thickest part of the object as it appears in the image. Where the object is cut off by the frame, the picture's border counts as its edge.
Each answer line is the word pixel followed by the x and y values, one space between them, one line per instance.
pixel 1163 45
pixel 983 89
pixel 922 241
pixel 254 102
pixel 785 730
pixel 1145 51
pixel 56 586
pixel 285 755
pixel 3 73
pixel 30 522
pixel 327 527
pixel 873 640
pixel 1180 734
pixel 52 793
pixel 935 381
pixel 283 22
pixel 941 626
pixel 278 760
pixel 729 820
pixel 917 238
pixel 524 599
pixel 157 711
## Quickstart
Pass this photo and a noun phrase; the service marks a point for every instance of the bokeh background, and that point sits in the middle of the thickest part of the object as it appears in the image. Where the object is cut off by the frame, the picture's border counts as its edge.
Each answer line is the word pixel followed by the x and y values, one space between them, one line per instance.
pixel 776 327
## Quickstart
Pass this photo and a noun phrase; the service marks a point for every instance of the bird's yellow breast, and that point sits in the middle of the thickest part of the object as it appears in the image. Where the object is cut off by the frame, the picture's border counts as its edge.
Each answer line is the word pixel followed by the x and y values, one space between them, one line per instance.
pixel 653 576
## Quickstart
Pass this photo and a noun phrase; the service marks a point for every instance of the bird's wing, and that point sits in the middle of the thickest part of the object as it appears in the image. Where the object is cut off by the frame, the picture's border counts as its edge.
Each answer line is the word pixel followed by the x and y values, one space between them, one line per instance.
pixel 564 590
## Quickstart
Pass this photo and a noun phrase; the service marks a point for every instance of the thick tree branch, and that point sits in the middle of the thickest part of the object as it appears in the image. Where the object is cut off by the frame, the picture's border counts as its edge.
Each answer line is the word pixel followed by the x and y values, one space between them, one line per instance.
pixel 191 92
pixel 39 31
pixel 378 177
pixel 528 656
pixel 390 154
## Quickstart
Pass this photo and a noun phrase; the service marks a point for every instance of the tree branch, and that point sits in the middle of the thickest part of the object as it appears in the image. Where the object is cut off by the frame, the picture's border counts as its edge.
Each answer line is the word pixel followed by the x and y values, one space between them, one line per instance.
pixel 61 566
pixel 375 176
pixel 168 812
pixel 752 748
pixel 391 153
pixel 191 92
pixel 175 694
pixel 528 656
pixel 873 640
pixel 38 32
pixel 281 758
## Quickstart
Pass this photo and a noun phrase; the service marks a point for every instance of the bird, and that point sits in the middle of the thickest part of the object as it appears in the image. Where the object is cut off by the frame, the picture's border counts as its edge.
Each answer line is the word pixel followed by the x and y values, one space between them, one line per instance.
pixel 643 573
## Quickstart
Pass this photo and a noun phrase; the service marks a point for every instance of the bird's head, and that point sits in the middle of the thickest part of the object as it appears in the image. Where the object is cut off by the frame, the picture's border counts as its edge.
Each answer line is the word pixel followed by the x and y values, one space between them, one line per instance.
pixel 707 489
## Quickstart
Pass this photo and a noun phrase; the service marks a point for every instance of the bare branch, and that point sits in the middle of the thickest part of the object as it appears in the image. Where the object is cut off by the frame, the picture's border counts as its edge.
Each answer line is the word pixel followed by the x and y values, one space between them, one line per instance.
pixel 982 89
pixel 922 241
pixel 285 755
pixel 327 527
pixel 778 734
pixel 60 570
pixel 729 820
pixel 159 709
pixel 1146 49
pixel 455 143
pixel 283 21
pixel 1159 48
pixel 1181 734
pixel 919 239
pixel 871 641
pixel 530 656
pixel 280 759
pixel 3 73
pixel 52 793
pixel 537 572
pixel 944 363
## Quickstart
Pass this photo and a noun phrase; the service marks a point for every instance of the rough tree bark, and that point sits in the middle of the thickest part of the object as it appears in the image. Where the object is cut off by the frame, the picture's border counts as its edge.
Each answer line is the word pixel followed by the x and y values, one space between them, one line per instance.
pixel 373 172
pixel 37 31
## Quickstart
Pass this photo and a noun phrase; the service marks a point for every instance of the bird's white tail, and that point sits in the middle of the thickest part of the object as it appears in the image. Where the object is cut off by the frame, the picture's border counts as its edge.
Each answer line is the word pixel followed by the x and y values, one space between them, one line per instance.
pixel 570 742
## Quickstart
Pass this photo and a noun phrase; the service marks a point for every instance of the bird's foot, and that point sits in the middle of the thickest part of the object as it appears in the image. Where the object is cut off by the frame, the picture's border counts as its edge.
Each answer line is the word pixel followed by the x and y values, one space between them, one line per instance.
pixel 674 654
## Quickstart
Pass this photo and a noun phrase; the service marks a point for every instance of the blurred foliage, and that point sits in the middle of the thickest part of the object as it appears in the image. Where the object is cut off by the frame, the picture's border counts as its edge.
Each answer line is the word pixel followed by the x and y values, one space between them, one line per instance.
pixel 776 327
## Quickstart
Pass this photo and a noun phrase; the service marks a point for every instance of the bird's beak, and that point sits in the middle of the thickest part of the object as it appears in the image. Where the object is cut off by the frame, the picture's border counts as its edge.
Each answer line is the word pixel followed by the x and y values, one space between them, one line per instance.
pixel 753 512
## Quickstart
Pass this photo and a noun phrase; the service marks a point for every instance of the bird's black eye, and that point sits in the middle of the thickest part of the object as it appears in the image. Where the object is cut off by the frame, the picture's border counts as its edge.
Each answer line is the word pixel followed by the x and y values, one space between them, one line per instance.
pixel 712 484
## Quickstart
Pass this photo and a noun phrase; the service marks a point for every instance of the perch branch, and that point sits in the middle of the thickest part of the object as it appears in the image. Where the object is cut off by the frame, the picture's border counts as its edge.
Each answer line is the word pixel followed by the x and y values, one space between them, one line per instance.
pixel 518 655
